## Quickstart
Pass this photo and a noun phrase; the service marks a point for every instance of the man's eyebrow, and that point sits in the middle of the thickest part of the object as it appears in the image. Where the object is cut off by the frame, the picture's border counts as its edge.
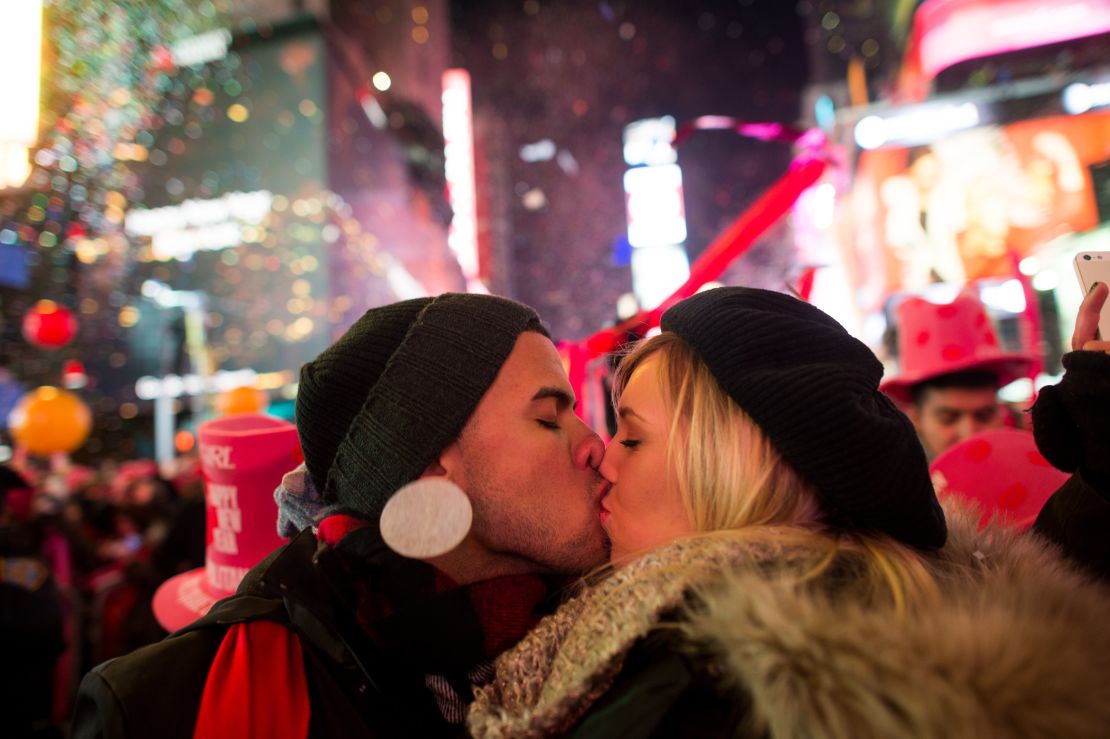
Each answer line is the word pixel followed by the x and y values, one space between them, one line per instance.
pixel 562 398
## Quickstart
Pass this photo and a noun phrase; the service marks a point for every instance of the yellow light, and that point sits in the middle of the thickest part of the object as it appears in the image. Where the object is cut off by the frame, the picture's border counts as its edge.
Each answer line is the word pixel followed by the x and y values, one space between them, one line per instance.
pixel 381 81
pixel 128 316
pixel 15 164
pixel 120 97
pixel 272 380
pixel 21 59
pixel 238 113
pixel 86 251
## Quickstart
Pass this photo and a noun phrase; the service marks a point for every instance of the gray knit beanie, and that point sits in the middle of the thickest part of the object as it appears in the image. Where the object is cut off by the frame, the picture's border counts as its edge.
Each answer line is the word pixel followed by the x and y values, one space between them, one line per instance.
pixel 380 404
pixel 814 391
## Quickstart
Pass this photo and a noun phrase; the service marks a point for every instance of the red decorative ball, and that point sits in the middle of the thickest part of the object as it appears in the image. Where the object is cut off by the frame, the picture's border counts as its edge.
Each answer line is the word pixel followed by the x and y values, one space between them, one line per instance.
pixel 49 325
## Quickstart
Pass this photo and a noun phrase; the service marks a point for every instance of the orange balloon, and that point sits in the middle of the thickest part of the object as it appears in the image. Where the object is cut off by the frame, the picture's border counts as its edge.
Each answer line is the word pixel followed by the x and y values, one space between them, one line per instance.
pixel 48 420
pixel 241 400
pixel 184 441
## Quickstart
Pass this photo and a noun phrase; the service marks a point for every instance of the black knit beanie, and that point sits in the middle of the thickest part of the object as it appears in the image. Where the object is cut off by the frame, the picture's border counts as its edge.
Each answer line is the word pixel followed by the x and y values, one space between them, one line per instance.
pixel 813 389
pixel 380 404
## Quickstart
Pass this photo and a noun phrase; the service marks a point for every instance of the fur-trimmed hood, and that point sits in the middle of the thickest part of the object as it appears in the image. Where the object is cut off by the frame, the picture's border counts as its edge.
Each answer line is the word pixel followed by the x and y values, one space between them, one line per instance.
pixel 1018 646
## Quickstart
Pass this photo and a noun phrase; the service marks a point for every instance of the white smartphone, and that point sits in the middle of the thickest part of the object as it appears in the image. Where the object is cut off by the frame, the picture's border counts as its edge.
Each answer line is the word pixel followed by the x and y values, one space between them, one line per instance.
pixel 1092 267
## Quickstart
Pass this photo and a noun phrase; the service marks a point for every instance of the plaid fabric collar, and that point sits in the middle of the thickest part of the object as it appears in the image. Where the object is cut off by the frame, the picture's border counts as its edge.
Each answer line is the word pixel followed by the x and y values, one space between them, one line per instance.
pixel 414 611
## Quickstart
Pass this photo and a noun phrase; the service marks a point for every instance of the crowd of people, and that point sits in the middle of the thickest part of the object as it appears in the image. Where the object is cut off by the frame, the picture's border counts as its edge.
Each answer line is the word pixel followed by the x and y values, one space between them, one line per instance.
pixel 83 551
pixel 759 551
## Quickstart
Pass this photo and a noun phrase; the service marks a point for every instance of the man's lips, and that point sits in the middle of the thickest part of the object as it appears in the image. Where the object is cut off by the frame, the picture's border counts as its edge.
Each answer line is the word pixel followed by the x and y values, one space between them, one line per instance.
pixel 602 491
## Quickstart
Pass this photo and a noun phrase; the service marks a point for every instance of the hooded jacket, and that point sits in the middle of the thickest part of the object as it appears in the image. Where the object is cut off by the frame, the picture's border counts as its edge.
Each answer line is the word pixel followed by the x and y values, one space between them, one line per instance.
pixel 717 637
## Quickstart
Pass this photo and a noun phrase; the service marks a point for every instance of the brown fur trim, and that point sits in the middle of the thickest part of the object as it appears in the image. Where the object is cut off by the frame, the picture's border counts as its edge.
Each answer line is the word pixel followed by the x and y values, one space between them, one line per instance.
pixel 1018 648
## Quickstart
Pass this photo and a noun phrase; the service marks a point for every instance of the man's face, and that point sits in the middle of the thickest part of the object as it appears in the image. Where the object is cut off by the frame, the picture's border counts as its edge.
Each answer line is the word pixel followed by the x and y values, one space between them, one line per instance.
pixel 945 416
pixel 528 464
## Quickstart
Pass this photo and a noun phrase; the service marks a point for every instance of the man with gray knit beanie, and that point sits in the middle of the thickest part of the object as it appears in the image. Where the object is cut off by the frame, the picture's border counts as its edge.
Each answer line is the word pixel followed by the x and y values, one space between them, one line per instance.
pixel 334 634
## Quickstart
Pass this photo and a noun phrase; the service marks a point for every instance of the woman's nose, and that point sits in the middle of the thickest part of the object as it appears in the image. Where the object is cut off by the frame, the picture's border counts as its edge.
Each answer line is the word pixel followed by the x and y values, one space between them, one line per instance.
pixel 607 468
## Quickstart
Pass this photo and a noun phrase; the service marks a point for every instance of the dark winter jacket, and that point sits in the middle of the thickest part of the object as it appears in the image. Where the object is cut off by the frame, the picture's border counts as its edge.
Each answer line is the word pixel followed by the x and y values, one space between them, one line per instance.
pixel 355 688
pixel 1071 421
pixel 31 639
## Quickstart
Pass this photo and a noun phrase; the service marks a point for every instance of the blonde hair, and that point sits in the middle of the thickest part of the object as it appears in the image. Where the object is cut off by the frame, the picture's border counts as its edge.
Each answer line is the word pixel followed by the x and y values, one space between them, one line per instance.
pixel 732 479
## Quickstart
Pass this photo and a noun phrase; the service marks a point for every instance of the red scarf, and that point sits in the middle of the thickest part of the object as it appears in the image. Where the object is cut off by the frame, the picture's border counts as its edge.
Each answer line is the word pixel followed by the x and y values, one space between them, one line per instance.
pixel 257 662
pixel 256 687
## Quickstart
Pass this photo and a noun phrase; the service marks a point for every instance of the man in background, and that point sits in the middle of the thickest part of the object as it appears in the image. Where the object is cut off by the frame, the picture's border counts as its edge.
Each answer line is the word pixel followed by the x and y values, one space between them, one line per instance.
pixel 951 368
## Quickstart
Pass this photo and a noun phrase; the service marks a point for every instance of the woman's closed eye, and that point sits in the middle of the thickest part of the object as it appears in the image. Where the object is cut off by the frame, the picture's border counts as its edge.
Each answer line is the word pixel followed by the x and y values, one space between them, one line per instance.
pixel 630 443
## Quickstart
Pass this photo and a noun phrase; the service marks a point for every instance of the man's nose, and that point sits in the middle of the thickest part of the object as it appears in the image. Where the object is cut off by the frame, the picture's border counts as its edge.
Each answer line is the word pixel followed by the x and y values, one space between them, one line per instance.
pixel 968 426
pixel 588 449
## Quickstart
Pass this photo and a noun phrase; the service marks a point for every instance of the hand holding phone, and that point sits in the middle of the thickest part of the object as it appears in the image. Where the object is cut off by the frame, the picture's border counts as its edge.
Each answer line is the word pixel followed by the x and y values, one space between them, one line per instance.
pixel 1093 321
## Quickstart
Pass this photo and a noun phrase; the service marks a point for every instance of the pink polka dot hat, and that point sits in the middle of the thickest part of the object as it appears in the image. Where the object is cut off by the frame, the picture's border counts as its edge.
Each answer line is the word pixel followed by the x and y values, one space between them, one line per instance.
pixel 941 339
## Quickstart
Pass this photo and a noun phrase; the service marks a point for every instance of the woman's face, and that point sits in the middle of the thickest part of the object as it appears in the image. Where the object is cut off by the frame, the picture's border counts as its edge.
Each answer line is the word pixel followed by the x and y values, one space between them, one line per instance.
pixel 642 509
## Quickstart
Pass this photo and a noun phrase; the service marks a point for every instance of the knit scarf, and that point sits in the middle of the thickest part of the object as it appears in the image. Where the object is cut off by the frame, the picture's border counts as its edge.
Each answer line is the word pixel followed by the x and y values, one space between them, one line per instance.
pixel 410 610
pixel 548 681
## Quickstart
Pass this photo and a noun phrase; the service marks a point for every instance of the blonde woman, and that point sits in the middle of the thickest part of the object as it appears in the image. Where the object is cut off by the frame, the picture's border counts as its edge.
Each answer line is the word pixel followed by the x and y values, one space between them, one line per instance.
pixel 777 566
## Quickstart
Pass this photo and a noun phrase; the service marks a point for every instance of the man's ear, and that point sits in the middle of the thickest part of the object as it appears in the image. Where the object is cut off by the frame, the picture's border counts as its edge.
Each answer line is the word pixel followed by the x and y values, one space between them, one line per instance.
pixel 446 464
pixel 435 469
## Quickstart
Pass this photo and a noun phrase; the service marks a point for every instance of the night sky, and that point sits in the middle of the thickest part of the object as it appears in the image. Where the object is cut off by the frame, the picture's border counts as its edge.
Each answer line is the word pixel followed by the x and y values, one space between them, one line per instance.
pixel 576 74
pixel 570 75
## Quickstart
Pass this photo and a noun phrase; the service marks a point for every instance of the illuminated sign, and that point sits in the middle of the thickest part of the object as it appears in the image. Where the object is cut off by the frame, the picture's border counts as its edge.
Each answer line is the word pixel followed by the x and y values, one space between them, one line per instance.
pixel 20 52
pixel 201 49
pixel 175 386
pixel 179 231
pixel 915 125
pixel 462 188
pixel 655 210
pixel 656 214
pixel 1080 97
pixel 650 142
pixel 953 31
pixel 657 271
